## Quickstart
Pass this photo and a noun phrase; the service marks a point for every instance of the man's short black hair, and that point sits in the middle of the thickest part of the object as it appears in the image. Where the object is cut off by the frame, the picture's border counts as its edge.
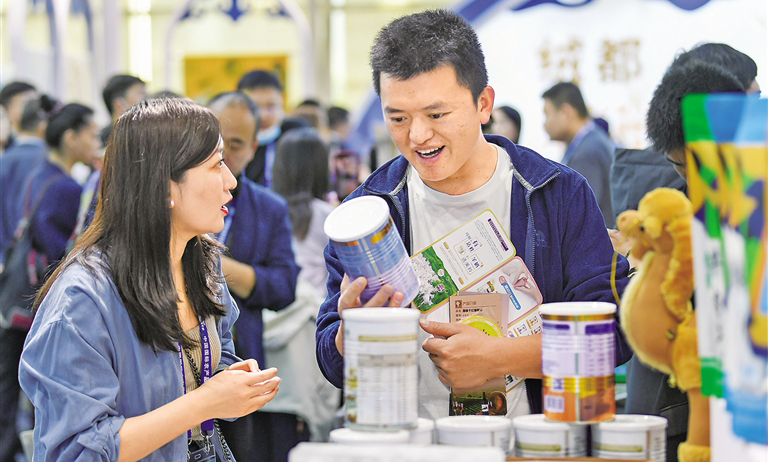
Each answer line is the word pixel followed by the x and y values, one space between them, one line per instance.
pixel 337 115
pixel 310 102
pixel 13 89
pixel 241 99
pixel 664 121
pixel 116 87
pixel 422 42
pixel 259 79
pixel 567 92
pixel 736 62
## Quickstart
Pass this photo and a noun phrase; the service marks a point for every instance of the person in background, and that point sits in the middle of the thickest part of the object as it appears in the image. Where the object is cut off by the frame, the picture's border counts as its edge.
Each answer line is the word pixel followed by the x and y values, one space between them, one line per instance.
pixel 340 126
pixel 306 407
pixel 507 123
pixel 120 93
pixel 315 116
pixel 258 266
pixel 72 136
pixel 739 64
pixel 648 390
pixel 27 153
pixel 589 150
pixel 138 314
pixel 346 168
pixel 429 71
pixel 13 97
pixel 635 172
pixel 264 89
pixel 302 178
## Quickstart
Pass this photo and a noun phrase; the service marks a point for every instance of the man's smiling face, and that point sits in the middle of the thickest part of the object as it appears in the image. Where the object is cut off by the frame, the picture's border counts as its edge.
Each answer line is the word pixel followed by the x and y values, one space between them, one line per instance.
pixel 436 124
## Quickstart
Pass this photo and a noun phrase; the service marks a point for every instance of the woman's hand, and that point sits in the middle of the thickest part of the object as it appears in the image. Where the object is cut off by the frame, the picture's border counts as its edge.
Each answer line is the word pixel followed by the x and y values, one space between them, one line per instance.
pixel 237 391
pixel 249 365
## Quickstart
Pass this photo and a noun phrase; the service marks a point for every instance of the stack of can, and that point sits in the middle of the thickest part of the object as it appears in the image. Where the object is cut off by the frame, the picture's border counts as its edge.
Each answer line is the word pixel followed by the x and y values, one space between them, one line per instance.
pixel 578 360
pixel 380 344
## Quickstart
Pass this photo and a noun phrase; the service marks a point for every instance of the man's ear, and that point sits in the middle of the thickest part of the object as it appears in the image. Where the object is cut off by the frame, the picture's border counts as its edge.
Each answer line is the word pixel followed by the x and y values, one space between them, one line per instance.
pixel 119 105
pixel 255 143
pixel 68 137
pixel 485 103
pixel 569 111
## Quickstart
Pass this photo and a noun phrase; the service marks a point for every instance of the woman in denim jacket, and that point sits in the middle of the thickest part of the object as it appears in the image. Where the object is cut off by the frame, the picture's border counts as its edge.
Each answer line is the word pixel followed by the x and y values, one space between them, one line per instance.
pixel 138 311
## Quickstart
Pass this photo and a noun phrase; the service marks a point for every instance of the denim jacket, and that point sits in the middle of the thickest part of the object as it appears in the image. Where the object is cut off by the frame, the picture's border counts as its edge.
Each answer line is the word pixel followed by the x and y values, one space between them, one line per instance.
pixel 85 370
pixel 556 227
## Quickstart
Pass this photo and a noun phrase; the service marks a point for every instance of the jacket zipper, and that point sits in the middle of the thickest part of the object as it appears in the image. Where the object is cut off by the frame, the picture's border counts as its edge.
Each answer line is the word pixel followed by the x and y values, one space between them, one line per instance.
pixel 532 228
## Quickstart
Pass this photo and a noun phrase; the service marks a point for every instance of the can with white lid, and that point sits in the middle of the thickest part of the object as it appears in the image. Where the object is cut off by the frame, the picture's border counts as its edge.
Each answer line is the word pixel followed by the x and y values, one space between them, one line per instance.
pixel 360 437
pixel 380 367
pixel 367 243
pixel 631 436
pixel 578 357
pixel 537 437
pixel 474 430
pixel 424 433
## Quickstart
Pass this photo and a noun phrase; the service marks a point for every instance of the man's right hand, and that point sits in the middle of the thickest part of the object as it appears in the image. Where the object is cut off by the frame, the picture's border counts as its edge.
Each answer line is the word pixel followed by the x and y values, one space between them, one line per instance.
pixel 350 298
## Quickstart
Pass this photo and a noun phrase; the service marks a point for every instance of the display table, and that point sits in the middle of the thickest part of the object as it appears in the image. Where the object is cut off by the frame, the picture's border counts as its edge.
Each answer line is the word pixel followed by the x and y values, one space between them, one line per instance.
pixel 574 459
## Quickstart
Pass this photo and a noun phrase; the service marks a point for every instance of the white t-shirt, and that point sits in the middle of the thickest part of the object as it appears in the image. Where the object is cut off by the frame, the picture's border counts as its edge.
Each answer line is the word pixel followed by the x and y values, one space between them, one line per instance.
pixel 432 215
pixel 309 252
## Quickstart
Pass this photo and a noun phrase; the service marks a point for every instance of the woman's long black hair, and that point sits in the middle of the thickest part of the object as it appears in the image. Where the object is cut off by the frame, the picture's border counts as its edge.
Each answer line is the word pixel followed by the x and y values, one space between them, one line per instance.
pixel 301 174
pixel 153 143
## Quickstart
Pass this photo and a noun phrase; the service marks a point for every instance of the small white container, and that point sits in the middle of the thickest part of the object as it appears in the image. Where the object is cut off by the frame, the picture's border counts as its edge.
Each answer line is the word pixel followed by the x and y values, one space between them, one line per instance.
pixel 359 437
pixel 424 433
pixel 631 436
pixel 474 430
pixel 380 368
pixel 537 437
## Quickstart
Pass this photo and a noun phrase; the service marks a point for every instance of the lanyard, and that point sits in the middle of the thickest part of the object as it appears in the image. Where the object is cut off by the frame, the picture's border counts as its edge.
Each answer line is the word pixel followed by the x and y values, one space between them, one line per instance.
pixel 206 371
pixel 269 162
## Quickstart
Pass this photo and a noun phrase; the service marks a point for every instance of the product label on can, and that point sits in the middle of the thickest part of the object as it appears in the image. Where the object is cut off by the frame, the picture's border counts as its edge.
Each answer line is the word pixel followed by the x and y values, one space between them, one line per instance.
pixel 642 444
pixel 380 375
pixel 381 258
pixel 578 358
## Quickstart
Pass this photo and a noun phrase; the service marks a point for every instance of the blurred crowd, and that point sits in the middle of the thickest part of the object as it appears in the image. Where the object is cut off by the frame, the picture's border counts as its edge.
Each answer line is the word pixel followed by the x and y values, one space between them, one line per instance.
pixel 292 168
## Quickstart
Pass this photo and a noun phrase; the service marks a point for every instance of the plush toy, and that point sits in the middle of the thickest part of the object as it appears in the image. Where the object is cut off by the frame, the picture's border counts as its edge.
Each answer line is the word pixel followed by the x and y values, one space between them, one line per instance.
pixel 656 313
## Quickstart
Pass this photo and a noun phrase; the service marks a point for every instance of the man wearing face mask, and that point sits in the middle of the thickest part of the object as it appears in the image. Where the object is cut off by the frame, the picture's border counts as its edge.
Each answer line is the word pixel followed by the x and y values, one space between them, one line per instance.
pixel 264 89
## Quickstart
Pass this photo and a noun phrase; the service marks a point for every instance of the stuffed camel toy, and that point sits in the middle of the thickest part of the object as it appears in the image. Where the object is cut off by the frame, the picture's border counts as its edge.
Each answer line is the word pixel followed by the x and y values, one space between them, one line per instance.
pixel 656 313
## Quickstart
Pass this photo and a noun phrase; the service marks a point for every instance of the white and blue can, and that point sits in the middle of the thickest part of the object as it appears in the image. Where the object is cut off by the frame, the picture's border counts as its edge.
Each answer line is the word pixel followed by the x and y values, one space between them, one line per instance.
pixel 366 241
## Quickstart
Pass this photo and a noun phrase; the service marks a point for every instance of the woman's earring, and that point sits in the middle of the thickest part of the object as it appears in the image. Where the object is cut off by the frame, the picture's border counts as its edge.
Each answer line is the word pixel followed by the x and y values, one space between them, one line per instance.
pixel 171 203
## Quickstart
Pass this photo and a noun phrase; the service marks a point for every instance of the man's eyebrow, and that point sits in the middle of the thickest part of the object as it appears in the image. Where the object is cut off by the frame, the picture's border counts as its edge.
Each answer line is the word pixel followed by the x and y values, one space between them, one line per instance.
pixel 429 107
pixel 434 106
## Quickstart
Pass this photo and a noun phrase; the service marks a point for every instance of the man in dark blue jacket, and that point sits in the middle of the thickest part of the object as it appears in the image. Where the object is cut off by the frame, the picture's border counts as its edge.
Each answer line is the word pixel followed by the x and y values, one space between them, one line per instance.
pixel 26 154
pixel 435 98
pixel 259 267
